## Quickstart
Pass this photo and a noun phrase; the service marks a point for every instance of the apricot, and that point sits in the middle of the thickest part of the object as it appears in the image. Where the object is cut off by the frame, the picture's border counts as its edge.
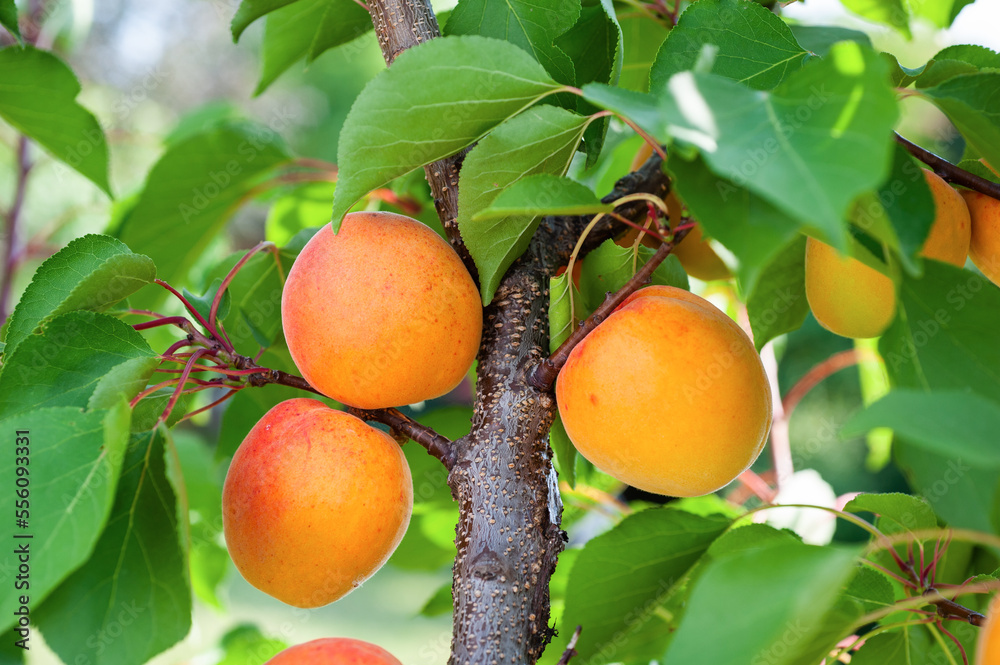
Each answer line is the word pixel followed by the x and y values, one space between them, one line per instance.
pixel 951 232
pixel 984 250
pixel 334 651
pixel 846 296
pixel 381 314
pixel 667 394
pixel 988 643
pixel 314 502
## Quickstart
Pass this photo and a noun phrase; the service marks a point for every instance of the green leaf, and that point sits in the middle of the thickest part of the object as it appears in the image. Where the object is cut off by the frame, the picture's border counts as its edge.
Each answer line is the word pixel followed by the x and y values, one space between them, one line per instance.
pixel 8 18
pixel 753 229
pixel 543 194
pixel 192 191
pixel 137 575
pixel 893 13
pixel 246 645
pixel 976 167
pixel 75 459
pixel 438 604
pixel 38 97
pixel 468 85
pixel 64 365
pixel 940 12
pixel 956 424
pixel 777 304
pixel 307 28
pixel 915 645
pixel 540 140
pixel 564 451
pixel 871 588
pixel 796 147
pixel 531 26
pixel 755 47
pixel 980 57
pixel 792 585
pixel 897 512
pixel 642 38
pixel 92 272
pixel 901 212
pixel 751 538
pixel 621 578
pixel 943 337
pixel 251 10
pixel 303 208
pixel 819 39
pixel 972 103
pixel 609 267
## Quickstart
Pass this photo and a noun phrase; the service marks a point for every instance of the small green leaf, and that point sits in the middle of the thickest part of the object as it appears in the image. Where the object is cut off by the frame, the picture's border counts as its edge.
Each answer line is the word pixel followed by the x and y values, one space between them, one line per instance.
pixel 564 452
pixel 960 424
pixel 897 512
pixel 137 573
pixel 539 140
pixel 793 585
pixel 38 97
pixel 972 103
pixel 607 269
pixel 467 85
pixel 64 365
pixel 530 25
pixel 307 28
pixel 543 194
pixel 75 460
pixel 251 10
pixel 778 304
pixel 751 538
pixel 819 39
pixel 246 645
pixel 893 13
pixel 872 589
pixel 191 192
pixel 438 604
pixel 755 46
pixel 92 272
pixel 8 18
pixel 621 579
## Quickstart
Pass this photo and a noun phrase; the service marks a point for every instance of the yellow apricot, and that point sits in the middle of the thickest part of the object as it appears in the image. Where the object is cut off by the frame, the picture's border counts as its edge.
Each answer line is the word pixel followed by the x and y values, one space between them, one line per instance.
pixel 667 394
pixel 988 644
pixel 846 296
pixel 315 501
pixel 334 651
pixel 381 314
pixel 949 236
pixel 984 250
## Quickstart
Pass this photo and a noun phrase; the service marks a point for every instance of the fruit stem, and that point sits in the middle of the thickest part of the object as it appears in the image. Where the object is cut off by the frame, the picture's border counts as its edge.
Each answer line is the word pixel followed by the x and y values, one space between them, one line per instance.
pixel 266 244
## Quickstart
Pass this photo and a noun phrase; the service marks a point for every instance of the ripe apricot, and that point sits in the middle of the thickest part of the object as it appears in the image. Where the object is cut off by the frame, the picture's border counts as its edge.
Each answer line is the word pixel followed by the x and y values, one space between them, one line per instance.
pixel 667 394
pixel 314 502
pixel 988 644
pixel 984 250
pixel 846 296
pixel 381 314
pixel 951 232
pixel 334 651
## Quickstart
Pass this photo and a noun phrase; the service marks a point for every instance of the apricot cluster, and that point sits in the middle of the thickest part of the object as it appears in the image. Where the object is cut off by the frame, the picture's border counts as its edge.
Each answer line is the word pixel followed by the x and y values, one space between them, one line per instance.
pixel 667 394
pixel 853 299
pixel 381 314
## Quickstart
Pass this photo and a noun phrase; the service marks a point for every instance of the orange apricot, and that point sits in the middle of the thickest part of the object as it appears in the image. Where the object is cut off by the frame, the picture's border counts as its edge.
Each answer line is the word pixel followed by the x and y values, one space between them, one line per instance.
pixel 334 651
pixel 984 250
pixel 381 314
pixel 667 394
pixel 951 232
pixel 846 296
pixel 315 501
pixel 988 644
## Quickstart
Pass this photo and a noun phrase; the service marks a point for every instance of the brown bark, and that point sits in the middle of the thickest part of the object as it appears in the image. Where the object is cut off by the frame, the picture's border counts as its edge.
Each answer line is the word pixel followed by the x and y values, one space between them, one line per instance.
pixel 508 536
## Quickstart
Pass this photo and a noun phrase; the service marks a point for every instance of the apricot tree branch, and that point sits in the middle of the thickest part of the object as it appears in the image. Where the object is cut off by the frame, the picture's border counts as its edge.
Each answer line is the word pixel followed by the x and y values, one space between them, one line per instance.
pixel 399 25
pixel 544 374
pixel 949 609
pixel 949 171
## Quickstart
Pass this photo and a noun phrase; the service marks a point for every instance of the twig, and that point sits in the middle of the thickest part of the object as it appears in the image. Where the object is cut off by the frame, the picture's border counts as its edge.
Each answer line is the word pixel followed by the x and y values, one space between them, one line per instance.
pixel 949 171
pixel 12 218
pixel 949 609
pixel 438 446
pixel 571 647
pixel 544 374
pixel 814 376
